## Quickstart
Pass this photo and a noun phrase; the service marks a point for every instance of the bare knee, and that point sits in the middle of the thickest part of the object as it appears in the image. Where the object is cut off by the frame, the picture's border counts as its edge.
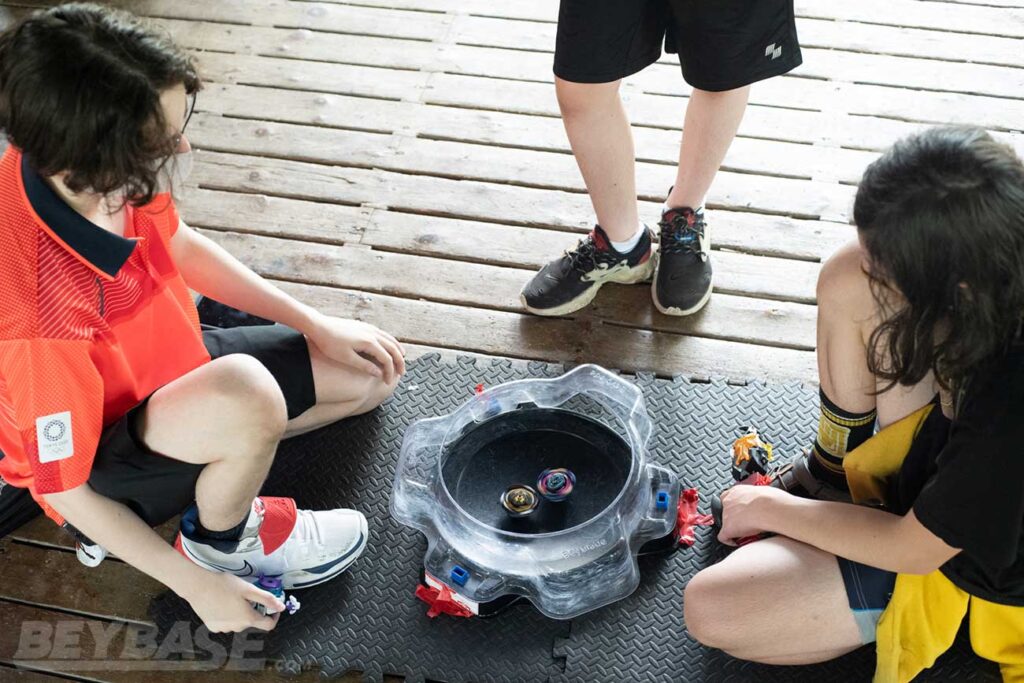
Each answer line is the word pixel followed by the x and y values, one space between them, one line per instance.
pixel 576 99
pixel 843 283
pixel 704 611
pixel 376 392
pixel 250 395
pixel 382 391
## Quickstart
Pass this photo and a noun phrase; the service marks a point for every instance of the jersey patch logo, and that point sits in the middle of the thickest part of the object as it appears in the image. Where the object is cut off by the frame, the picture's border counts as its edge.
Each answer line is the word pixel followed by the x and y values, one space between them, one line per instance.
pixel 773 51
pixel 53 434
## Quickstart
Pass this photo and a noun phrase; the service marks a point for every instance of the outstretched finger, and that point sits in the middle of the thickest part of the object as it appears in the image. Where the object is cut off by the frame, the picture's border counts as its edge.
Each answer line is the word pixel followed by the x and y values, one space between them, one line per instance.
pixel 395 340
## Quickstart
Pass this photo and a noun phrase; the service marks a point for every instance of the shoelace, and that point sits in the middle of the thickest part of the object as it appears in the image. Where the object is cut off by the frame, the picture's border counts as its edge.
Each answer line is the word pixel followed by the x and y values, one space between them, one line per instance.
pixel 586 256
pixel 311 530
pixel 680 234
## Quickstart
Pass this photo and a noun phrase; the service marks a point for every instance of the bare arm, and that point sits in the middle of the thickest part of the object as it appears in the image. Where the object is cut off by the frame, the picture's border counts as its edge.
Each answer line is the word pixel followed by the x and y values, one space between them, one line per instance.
pixel 866 535
pixel 221 600
pixel 211 270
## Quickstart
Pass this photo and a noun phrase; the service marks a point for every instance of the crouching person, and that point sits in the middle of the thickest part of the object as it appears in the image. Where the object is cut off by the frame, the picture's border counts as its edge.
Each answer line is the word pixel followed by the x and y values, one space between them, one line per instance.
pixel 919 328
pixel 116 411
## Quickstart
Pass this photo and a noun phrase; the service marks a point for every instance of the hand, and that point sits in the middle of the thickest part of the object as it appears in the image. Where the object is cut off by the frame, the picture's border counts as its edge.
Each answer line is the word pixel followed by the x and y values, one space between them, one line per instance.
pixel 746 511
pixel 225 603
pixel 361 346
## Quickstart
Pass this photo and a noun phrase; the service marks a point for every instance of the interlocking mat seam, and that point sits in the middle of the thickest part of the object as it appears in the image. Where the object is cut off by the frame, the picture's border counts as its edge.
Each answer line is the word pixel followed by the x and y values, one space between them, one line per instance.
pixel 368 620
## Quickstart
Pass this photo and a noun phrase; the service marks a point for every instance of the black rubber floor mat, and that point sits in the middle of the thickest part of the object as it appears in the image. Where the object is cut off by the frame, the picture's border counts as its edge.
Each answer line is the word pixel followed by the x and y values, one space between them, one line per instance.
pixel 643 638
pixel 369 620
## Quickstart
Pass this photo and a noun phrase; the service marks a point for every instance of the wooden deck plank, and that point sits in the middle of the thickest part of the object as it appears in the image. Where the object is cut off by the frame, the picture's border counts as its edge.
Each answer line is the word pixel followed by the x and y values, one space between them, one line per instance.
pixel 14 615
pixel 42 532
pixel 487 202
pixel 857 71
pixel 494 287
pixel 818 33
pixel 908 72
pixel 1001 20
pixel 518 335
pixel 940 16
pixel 460 239
pixel 521 131
pixel 11 675
pixel 987 3
pixel 352 19
pixel 111 591
pixel 445 159
pixel 834 127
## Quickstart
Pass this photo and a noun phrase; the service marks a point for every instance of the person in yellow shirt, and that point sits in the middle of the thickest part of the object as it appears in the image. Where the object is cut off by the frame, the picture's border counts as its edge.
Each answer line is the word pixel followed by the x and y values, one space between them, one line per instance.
pixel 920 330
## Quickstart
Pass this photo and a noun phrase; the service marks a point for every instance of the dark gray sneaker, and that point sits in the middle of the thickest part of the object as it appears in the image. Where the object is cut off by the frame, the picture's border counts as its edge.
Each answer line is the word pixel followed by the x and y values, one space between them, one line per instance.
pixel 682 279
pixel 796 478
pixel 569 283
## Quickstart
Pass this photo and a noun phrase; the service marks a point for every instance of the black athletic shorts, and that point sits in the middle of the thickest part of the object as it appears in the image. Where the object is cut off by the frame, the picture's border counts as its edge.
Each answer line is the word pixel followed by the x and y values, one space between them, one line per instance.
pixel 722 44
pixel 156 487
pixel 868 590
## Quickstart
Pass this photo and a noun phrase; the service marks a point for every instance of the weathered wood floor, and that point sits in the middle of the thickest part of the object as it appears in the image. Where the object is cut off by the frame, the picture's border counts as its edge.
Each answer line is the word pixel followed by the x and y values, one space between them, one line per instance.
pixel 402 161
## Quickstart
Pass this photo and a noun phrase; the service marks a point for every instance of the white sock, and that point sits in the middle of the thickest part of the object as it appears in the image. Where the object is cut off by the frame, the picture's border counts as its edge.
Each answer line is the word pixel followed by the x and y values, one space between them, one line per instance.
pixel 665 207
pixel 630 244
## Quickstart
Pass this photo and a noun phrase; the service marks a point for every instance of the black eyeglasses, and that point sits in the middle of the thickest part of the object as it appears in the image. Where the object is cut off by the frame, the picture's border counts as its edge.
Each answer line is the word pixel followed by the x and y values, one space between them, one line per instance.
pixel 190 108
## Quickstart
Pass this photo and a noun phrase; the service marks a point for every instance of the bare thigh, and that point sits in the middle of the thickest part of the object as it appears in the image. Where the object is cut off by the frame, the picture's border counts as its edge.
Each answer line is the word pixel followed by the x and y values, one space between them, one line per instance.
pixel 776 601
pixel 228 408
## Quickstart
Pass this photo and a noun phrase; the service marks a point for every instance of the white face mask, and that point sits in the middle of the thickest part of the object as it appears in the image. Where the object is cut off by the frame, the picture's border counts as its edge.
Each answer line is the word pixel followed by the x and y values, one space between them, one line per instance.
pixel 175 172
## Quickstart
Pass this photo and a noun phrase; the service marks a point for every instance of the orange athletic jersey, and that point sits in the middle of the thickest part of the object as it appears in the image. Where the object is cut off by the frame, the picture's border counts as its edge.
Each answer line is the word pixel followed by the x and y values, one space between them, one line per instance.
pixel 91 323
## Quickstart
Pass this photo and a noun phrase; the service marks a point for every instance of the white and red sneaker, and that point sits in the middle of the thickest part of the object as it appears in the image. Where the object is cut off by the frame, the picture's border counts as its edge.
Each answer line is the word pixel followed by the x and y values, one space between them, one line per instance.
pixel 302 547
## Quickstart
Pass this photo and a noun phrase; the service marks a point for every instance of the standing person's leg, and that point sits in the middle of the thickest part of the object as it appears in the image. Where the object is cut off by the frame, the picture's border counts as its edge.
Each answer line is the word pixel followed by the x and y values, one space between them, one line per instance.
pixel 599 133
pixel 712 119
pixel 723 47
pixel 599 43
pixel 683 283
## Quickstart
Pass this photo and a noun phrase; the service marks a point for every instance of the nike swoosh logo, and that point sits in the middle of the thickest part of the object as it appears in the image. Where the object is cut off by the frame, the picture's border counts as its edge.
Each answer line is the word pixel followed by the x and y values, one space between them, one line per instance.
pixel 345 561
pixel 245 570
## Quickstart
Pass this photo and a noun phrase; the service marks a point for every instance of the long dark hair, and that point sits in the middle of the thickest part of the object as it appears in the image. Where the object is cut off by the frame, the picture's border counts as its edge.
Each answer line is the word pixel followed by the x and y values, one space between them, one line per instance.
pixel 941 216
pixel 80 93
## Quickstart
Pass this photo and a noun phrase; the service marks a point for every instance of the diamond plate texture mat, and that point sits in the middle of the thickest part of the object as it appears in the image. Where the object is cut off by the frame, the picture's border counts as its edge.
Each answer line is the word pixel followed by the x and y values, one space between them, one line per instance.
pixel 643 638
pixel 368 619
